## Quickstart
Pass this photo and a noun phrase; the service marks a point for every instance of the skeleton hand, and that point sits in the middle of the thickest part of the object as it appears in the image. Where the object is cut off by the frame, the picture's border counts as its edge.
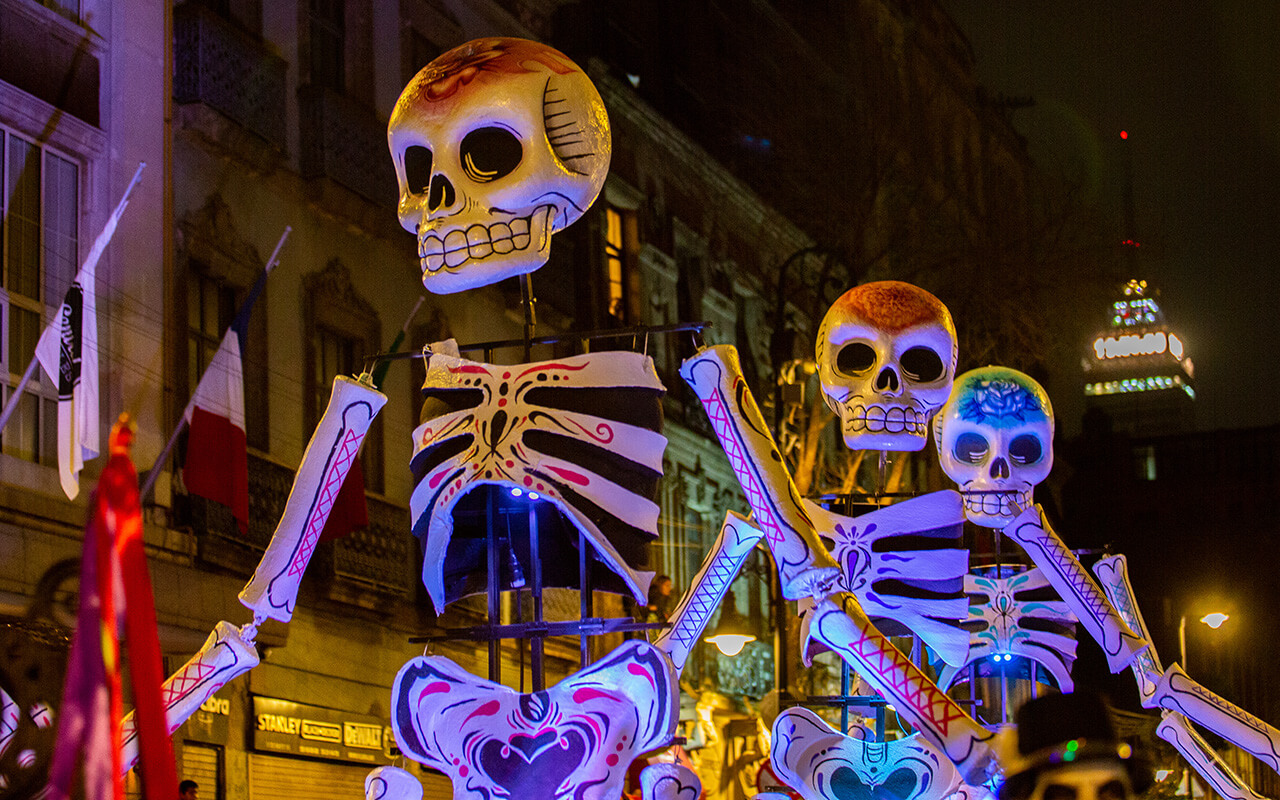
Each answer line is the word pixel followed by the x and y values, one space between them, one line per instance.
pixel 815 583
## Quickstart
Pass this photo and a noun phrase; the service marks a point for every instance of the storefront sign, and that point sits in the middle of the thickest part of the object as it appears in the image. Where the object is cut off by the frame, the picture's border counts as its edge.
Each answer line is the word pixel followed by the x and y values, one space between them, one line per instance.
pixel 282 726
pixel 210 722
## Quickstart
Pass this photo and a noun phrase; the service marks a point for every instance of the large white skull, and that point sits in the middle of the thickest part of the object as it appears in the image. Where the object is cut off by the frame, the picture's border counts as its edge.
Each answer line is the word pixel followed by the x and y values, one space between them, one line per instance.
pixel 886 358
pixel 995 440
pixel 497 145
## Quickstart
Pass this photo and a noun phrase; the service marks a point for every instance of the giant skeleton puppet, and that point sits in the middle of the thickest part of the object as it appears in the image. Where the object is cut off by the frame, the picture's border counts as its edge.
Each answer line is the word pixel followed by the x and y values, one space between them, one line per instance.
pixel 994 437
pixel 498 144
pixel 886 354
pixel 995 440
pixel 867 334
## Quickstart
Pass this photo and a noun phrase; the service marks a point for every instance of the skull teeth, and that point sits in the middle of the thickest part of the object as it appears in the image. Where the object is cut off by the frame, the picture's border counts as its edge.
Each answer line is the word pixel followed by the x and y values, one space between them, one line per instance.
pixel 891 419
pixel 996 504
pixel 451 249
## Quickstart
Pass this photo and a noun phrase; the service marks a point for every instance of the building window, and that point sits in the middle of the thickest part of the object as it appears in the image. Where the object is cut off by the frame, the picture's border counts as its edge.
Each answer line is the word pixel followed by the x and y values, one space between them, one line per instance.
pixel 38 260
pixel 210 309
pixel 67 8
pixel 327 25
pixel 345 329
pixel 217 268
pixel 620 246
pixel 335 354
pixel 1144 461
pixel 51 60
pixel 614 259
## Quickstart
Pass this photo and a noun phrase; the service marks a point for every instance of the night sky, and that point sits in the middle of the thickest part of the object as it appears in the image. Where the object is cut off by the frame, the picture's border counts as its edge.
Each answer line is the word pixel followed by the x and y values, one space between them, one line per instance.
pixel 1197 87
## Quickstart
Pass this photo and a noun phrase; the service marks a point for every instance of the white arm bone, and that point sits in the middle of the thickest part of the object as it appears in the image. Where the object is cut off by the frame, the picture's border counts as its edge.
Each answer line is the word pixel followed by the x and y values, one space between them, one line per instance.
pixel 1178 692
pixel 334 446
pixel 225 655
pixel 804 565
pixel 1175 730
pixel 1076 586
pixel 736 541
pixel 1113 576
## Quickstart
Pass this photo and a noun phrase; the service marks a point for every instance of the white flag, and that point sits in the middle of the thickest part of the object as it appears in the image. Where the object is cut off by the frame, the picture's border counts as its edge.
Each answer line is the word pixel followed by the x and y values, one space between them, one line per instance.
pixel 68 353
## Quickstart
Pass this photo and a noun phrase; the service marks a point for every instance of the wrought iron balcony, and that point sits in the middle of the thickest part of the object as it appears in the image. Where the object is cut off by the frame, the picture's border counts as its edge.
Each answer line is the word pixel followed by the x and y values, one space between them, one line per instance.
pixel 381 557
pixel 345 142
pixel 228 70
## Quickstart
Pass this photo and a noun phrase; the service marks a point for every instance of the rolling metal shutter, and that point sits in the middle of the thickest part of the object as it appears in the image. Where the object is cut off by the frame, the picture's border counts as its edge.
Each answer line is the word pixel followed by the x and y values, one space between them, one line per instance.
pixel 277 778
pixel 202 763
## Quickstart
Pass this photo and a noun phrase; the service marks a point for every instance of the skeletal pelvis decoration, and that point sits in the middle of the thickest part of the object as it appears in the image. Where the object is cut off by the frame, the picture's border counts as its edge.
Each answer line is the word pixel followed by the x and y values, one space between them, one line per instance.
pixel 573 740
pixel 995 440
pixel 579 432
pixel 820 763
pixel 1018 615
pixel 497 145
pixel 886 357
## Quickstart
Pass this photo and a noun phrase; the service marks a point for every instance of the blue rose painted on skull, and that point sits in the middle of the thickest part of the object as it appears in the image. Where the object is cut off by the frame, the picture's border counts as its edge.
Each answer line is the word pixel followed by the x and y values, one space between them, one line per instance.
pixel 1000 402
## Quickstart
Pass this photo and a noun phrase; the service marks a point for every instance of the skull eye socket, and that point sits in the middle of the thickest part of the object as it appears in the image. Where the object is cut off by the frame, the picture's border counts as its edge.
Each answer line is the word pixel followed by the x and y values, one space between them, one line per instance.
pixel 921 365
pixel 417 169
pixel 971 448
pixel 490 153
pixel 1025 449
pixel 855 357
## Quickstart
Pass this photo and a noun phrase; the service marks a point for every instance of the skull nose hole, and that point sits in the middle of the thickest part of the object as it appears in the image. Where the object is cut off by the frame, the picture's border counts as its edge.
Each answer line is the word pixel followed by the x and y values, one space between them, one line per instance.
pixel 1000 468
pixel 887 380
pixel 442 194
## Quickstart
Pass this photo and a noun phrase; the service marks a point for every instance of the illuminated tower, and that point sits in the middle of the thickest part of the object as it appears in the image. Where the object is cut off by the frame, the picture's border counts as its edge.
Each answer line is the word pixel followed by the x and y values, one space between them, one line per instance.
pixel 1137 369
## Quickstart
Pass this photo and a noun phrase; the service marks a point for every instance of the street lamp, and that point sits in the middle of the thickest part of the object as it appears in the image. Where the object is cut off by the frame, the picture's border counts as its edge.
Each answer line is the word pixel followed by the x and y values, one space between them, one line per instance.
pixel 732 631
pixel 1213 619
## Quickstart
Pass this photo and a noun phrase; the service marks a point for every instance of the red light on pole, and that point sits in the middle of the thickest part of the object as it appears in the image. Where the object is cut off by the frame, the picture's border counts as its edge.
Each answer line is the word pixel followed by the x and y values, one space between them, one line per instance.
pixel 1124 134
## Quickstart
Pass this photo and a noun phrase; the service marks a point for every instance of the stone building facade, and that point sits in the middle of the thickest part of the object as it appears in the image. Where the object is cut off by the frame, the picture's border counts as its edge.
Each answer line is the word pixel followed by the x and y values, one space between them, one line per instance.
pixel 255 116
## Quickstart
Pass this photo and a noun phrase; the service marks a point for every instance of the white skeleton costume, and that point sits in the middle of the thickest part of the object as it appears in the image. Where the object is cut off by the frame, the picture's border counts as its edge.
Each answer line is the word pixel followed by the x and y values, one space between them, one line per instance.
pixel 807 569
pixel 820 763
